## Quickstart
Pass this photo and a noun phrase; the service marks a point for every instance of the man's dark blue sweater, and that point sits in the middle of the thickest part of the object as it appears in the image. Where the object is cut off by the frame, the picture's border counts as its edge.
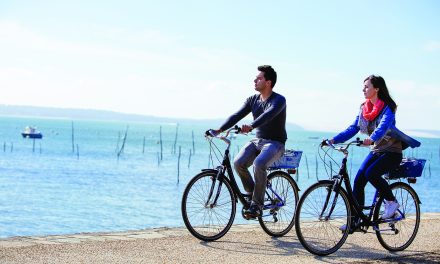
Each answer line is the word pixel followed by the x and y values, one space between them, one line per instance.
pixel 269 116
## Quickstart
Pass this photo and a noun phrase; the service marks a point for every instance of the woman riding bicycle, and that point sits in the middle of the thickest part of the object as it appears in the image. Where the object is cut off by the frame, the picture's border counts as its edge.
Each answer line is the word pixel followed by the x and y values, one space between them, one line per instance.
pixel 376 118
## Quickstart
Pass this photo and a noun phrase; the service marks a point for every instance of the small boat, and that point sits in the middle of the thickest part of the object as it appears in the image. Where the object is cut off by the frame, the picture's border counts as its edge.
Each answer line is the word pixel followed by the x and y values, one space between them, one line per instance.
pixel 31 132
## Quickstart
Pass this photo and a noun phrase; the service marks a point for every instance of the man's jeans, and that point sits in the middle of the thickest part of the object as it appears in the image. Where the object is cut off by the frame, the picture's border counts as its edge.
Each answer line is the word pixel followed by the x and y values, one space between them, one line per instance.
pixel 261 153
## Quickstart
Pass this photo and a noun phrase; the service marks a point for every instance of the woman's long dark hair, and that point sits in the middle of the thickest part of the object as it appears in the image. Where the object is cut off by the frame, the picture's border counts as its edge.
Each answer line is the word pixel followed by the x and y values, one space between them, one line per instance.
pixel 383 94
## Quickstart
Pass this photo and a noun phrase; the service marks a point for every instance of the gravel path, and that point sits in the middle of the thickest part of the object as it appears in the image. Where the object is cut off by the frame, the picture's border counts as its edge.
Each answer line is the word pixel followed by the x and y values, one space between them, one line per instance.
pixel 243 244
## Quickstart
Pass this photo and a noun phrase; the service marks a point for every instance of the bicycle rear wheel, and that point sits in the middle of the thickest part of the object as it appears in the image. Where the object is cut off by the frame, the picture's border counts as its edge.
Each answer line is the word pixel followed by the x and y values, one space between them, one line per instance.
pixel 279 220
pixel 203 218
pixel 317 229
pixel 398 234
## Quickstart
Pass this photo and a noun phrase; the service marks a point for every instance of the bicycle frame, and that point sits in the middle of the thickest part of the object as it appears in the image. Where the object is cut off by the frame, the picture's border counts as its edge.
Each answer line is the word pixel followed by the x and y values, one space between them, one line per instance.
pixel 226 169
pixel 343 177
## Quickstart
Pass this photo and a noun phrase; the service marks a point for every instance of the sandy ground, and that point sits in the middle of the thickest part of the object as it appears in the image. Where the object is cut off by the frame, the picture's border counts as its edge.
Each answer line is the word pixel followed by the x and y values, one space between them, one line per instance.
pixel 243 244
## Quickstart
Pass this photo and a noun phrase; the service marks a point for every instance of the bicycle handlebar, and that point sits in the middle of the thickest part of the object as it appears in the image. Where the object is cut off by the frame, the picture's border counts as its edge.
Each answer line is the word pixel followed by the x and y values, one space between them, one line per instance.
pixel 343 147
pixel 211 133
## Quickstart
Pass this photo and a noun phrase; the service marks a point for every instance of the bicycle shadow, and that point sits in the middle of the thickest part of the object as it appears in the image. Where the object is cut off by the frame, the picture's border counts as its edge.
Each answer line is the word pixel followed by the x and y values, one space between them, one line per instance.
pixel 271 246
pixel 355 253
pixel 349 253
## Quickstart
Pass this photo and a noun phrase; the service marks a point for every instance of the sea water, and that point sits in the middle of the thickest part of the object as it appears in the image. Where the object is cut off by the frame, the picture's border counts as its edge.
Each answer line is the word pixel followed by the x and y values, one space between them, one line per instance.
pixel 84 177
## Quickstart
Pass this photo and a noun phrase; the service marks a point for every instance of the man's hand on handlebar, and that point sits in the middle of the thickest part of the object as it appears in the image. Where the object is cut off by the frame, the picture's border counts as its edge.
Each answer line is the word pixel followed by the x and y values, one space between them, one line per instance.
pixel 246 128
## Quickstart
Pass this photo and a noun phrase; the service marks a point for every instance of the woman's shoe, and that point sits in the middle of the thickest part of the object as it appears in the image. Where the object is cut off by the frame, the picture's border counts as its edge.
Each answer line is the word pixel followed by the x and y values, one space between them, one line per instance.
pixel 390 209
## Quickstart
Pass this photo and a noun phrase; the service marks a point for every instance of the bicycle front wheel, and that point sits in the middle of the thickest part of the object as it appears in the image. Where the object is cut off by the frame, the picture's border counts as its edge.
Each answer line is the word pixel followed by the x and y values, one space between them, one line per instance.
pixel 398 233
pixel 319 215
pixel 278 219
pixel 206 215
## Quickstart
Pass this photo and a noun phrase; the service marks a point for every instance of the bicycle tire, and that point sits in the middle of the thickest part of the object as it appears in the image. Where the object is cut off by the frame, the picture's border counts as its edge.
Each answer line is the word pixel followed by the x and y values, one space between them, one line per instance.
pixel 208 223
pixel 317 235
pixel 397 236
pixel 279 221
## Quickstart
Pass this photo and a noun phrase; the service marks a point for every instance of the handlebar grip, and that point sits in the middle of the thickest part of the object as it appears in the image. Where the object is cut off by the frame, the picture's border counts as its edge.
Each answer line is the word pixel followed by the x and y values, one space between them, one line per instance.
pixel 238 129
pixel 361 142
pixel 210 133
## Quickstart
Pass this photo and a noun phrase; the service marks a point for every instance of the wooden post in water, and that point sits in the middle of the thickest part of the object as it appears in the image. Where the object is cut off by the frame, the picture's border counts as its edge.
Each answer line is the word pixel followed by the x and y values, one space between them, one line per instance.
pixel 158 159
pixel 123 143
pixel 4 146
pixel 175 139
pixel 40 146
pixel 117 143
pixel 33 145
pixel 189 158
pixel 429 169
pixel 73 139
pixel 316 168
pixel 307 166
pixel 178 165
pixel 77 151
pixel 160 142
pixel 194 146
pixel 143 147
pixel 12 146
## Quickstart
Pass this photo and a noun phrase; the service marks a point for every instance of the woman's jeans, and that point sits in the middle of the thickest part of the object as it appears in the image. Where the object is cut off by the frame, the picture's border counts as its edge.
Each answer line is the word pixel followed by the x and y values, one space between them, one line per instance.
pixel 261 153
pixel 371 170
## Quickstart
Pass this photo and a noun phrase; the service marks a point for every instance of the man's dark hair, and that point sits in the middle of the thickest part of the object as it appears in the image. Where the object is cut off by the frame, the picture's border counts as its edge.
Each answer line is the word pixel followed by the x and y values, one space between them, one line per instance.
pixel 269 73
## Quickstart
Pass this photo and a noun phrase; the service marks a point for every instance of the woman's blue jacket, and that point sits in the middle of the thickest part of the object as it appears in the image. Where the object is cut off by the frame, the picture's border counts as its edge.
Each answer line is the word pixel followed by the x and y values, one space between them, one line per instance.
pixel 385 126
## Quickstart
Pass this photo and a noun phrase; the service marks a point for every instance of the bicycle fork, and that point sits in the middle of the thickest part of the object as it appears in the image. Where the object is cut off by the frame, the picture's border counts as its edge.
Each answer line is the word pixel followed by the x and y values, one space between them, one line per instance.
pixel 335 188
pixel 212 204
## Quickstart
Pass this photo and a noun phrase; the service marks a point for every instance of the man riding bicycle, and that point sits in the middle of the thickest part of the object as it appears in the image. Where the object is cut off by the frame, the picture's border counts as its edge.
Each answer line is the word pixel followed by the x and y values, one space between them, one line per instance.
pixel 269 112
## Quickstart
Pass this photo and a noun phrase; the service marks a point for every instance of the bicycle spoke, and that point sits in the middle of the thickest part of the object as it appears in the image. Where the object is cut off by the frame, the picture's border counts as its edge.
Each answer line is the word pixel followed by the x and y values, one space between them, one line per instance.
pixel 319 232
pixel 278 219
pixel 398 235
pixel 205 220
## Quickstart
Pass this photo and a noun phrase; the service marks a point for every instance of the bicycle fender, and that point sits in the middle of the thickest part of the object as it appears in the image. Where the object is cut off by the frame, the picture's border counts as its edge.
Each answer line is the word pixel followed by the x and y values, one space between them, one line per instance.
pixel 210 170
pixel 407 185
pixel 325 181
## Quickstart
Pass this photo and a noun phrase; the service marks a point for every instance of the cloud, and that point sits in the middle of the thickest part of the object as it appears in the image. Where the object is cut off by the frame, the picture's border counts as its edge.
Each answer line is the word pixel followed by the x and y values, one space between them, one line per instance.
pixel 432 46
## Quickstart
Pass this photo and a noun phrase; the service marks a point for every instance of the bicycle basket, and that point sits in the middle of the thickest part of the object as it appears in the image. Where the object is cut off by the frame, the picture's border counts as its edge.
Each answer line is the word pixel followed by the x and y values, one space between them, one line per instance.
pixel 409 167
pixel 290 160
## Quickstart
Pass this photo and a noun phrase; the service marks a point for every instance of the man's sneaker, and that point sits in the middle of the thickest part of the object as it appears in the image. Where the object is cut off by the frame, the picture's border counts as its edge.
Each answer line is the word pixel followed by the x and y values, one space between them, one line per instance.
pixel 248 197
pixel 253 212
pixel 390 209
pixel 356 227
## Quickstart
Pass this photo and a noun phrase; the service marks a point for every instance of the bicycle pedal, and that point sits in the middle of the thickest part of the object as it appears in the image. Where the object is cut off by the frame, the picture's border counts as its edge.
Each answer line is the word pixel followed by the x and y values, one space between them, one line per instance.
pixel 249 217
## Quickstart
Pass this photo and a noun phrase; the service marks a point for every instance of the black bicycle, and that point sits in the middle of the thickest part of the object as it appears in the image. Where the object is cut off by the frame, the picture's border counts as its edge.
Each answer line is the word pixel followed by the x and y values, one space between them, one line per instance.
pixel 326 206
pixel 209 199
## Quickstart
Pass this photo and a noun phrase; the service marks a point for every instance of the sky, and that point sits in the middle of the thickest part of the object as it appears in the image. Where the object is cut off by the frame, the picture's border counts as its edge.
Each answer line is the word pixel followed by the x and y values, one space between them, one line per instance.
pixel 198 59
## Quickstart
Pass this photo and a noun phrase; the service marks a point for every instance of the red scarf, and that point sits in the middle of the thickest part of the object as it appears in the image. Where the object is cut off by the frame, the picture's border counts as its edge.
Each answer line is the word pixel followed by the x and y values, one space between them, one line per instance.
pixel 370 111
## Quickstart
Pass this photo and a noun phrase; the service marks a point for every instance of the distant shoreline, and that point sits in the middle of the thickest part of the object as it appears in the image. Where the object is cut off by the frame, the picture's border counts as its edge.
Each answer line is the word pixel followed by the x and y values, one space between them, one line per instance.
pixel 16 111
pixel 102 115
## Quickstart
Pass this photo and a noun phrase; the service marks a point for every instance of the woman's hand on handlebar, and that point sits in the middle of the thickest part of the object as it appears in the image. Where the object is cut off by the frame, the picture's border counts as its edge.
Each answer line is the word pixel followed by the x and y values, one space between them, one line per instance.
pixel 367 142
pixel 327 142
pixel 212 132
